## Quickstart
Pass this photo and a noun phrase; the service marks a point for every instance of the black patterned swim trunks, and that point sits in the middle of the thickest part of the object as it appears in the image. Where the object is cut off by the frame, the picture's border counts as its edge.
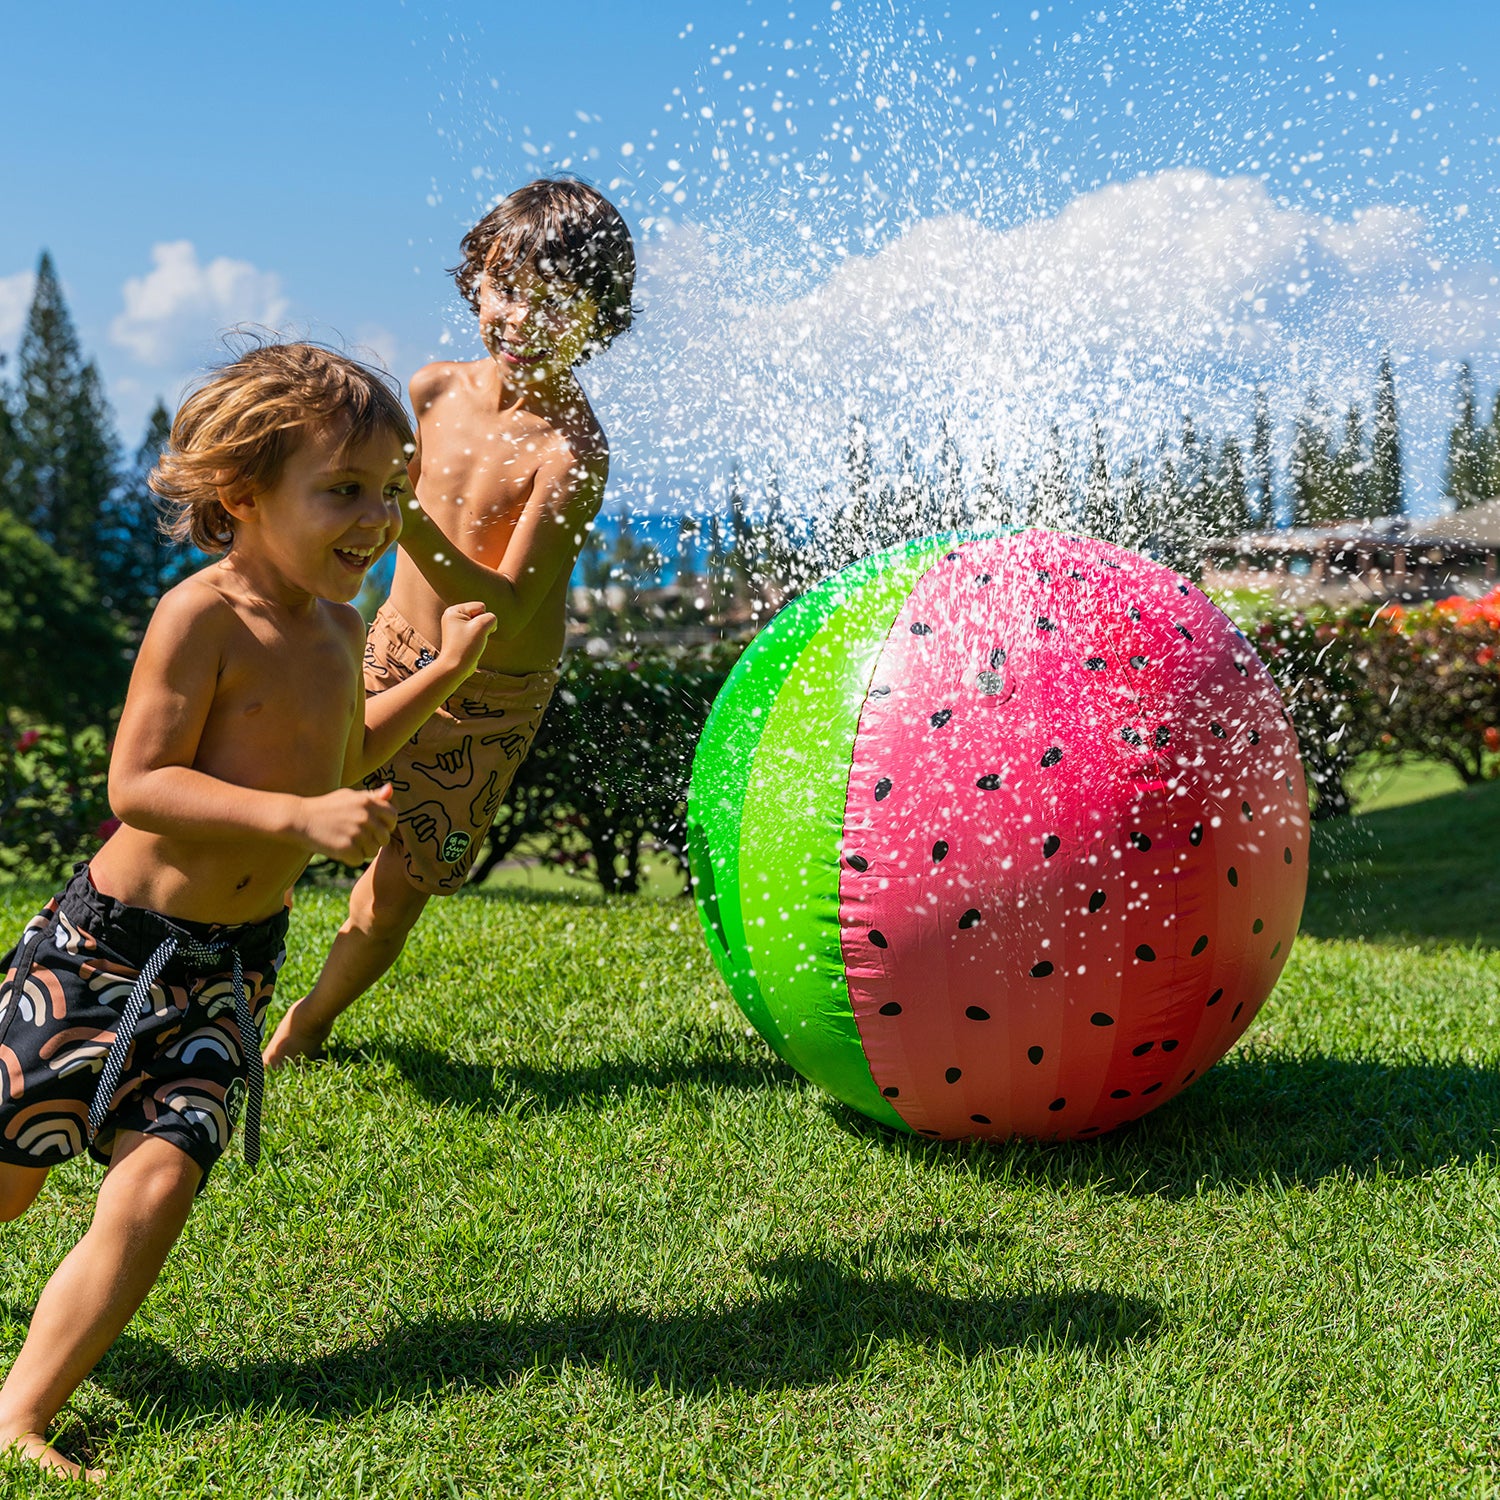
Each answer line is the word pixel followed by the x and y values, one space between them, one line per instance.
pixel 117 1018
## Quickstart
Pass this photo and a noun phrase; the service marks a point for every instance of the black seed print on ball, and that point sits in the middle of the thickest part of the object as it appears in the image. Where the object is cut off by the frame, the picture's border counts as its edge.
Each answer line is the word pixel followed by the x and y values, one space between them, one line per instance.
pixel 997 658
pixel 1192 1073
pixel 949 556
pixel 990 783
pixel 1276 950
pixel 933 1133
pixel 1240 667
pixel 1196 836
pixel 1052 755
pixel 921 629
pixel 1234 876
pixel 878 938
pixel 1119 1093
pixel 1183 631
pixel 1236 1013
pixel 1130 736
pixel 1134 613
pixel 1200 945
pixel 1245 808
pixel 891 1008
pixel 983 578
pixel 953 1075
pixel 1169 1046
pixel 1217 996
pixel 1140 841
pixel 859 862
pixel 882 788
pixel 1043 575
pixel 1258 926
pixel 1041 970
pixel 1096 900
pixel 1142 1050
pixel 1099 1018
pixel 939 851
pixel 1090 1129
pixel 1151 1088
pixel 940 718
pixel 891 1092
pixel 1255 737
pixel 1146 953
pixel 1096 664
pixel 1216 729
pixel 1050 845
pixel 880 692
pixel 1286 854
pixel 1043 623
pixel 1057 1104
pixel 1182 588
pixel 1034 1055
pixel 977 1013
pixel 980 1119
pixel 970 918
pixel 1163 736
pixel 1137 662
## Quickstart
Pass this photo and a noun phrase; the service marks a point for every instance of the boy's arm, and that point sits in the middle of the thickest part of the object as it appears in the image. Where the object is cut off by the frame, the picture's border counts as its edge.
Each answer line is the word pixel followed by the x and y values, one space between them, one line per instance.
pixel 565 497
pixel 152 783
pixel 393 715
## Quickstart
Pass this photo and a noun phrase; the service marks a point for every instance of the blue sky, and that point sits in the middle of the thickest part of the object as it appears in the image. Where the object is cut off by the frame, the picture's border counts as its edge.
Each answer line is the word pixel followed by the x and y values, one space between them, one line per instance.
pixel 314 164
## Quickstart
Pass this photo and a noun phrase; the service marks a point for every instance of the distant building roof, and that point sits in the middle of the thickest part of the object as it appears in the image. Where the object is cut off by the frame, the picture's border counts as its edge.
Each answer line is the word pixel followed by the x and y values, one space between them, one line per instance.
pixel 1478 526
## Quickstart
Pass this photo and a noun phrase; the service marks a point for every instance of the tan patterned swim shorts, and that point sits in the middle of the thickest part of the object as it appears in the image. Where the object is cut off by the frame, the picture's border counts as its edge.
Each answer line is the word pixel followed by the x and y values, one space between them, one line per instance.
pixel 452 775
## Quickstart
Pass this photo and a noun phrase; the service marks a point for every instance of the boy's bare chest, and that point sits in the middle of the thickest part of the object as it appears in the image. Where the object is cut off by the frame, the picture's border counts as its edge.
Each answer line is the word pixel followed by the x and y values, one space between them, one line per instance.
pixel 289 695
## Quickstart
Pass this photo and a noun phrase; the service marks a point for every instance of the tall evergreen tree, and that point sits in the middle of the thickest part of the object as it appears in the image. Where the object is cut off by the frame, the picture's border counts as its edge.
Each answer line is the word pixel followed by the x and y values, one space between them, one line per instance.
pixel 952 496
pixel 1386 491
pixel 1099 518
pixel 1231 510
pixel 994 508
pixel 1490 451
pixel 1350 469
pixel 1261 462
pixel 1464 478
pixel 10 449
pixel 1052 490
pixel 67 451
pixel 133 562
pixel 1310 465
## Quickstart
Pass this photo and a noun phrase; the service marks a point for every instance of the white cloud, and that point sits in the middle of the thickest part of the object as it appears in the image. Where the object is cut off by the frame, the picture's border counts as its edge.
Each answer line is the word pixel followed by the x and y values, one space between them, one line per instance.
pixel 15 298
pixel 1175 291
pixel 181 303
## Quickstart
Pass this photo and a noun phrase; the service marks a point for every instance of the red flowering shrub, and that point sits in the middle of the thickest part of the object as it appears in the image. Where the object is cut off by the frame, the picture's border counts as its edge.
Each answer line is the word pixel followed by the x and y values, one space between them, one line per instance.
pixel 53 800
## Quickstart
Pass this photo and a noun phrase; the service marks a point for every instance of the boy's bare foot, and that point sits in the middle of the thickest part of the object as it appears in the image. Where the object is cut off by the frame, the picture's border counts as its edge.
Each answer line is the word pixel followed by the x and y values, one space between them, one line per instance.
pixel 34 1446
pixel 294 1038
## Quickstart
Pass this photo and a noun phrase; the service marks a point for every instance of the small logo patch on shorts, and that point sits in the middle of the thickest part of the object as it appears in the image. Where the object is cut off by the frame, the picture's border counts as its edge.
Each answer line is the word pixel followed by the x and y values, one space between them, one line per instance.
pixel 234 1100
pixel 455 846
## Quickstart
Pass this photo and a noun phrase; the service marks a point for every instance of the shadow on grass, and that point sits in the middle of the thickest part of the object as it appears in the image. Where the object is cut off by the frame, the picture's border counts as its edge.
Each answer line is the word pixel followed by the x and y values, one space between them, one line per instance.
pixel 1258 1117
pixel 819 1320
pixel 519 1089
pixel 1424 871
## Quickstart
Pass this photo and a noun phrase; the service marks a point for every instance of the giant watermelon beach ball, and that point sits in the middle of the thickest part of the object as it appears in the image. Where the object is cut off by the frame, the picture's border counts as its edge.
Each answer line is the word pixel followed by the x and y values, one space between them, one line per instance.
pixel 1000 836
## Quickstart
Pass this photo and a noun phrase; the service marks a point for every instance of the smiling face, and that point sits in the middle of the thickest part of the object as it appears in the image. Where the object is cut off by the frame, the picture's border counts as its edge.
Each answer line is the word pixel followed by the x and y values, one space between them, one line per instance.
pixel 335 508
pixel 534 326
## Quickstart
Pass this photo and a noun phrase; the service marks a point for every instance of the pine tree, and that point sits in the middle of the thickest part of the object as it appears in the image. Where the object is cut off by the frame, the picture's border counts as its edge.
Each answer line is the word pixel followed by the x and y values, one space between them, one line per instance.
pixel 1463 474
pixel 952 498
pixel 1099 518
pixel 1310 466
pixel 1052 491
pixel 1385 492
pixel 10 450
pixel 1261 465
pixel 134 562
pixel 67 450
pixel 994 507
pixel 1350 469
pixel 1490 451
pixel 1231 492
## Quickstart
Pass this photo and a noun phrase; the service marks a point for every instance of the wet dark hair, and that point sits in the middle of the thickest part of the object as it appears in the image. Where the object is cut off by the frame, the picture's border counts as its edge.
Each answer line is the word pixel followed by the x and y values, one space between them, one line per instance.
pixel 244 420
pixel 564 230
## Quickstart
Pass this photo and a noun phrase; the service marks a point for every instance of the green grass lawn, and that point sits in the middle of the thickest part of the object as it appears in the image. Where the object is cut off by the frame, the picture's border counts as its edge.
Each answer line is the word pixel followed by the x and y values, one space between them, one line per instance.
pixel 550 1223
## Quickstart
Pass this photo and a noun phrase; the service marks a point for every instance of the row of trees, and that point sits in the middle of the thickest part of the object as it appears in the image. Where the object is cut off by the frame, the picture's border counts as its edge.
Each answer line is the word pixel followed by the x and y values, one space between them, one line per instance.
pixel 85 561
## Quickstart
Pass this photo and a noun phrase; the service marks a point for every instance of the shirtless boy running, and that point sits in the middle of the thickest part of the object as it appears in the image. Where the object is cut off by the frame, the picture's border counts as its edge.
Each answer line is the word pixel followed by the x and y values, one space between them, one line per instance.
pixel 509 472
pixel 130 1009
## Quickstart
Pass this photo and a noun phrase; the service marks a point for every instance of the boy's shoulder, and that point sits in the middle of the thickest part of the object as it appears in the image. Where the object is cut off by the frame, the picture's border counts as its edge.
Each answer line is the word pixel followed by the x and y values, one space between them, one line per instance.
pixel 435 379
pixel 200 612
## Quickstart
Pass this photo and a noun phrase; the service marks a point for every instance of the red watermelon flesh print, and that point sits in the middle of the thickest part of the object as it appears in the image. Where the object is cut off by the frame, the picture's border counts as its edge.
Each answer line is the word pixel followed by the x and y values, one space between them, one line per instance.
pixel 1075 841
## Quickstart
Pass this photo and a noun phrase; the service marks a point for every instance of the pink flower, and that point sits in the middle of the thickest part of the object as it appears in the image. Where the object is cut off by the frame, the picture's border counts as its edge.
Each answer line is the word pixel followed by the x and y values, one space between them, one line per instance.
pixel 28 739
pixel 106 828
